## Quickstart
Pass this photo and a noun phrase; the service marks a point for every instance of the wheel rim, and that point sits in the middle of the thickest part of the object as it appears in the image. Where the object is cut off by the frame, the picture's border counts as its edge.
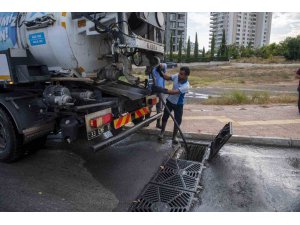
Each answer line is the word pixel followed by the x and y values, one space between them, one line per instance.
pixel 3 136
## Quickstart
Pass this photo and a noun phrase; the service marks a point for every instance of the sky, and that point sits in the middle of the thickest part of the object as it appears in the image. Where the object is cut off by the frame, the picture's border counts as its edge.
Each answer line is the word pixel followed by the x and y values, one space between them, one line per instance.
pixel 283 25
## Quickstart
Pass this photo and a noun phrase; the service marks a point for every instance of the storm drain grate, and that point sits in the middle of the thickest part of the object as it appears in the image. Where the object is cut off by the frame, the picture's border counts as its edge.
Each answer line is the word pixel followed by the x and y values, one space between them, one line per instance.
pixel 156 198
pixel 180 164
pixel 172 189
pixel 179 174
pixel 223 136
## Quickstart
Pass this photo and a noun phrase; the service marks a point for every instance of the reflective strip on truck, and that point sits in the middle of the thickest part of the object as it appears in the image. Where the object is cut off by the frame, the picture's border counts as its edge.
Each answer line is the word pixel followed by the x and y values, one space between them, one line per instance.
pixel 141 112
pixel 122 121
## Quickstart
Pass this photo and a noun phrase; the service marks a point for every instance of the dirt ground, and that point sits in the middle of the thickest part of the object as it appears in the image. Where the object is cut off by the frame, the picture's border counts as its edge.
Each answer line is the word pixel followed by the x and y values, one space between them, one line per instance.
pixel 241 74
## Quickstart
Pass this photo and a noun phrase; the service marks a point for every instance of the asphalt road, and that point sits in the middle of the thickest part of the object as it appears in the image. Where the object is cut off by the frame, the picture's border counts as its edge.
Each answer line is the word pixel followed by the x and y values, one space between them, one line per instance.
pixel 65 177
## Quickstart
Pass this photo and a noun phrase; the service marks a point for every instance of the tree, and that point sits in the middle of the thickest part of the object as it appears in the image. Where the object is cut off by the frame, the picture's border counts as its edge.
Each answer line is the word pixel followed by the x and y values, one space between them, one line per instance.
pixel 212 46
pixel 223 45
pixel 188 50
pixel 180 50
pixel 292 48
pixel 171 47
pixel 247 51
pixel 263 52
pixel 233 51
pixel 196 49
pixel 203 52
pixel 219 52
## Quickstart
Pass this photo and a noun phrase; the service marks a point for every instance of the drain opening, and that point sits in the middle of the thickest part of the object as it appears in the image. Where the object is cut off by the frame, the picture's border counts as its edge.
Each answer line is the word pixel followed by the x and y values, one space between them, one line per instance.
pixel 196 152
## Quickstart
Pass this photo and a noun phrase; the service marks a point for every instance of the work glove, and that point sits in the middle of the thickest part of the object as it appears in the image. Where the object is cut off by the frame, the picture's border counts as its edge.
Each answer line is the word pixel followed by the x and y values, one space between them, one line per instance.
pixel 158 69
pixel 157 89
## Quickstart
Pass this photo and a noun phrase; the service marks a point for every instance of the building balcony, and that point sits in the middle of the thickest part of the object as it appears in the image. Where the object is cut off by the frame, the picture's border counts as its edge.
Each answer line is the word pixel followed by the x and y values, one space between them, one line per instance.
pixel 181 20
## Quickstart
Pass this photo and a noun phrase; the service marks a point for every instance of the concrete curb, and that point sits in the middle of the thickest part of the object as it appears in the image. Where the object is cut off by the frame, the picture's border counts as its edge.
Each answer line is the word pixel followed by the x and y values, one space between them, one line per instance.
pixel 240 139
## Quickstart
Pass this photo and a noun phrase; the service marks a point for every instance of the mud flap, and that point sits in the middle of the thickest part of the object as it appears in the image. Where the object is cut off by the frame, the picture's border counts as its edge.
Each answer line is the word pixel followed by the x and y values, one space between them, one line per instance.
pixel 221 139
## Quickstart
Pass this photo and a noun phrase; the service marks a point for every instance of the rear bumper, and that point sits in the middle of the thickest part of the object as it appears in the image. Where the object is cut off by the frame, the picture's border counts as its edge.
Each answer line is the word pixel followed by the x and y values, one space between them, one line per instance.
pixel 124 134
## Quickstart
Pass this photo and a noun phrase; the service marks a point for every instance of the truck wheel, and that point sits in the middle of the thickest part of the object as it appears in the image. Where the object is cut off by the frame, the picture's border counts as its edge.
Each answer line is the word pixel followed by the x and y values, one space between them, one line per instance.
pixel 9 147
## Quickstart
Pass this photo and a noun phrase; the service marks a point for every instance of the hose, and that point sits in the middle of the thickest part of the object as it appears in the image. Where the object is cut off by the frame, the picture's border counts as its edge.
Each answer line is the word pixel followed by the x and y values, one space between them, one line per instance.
pixel 175 122
pixel 168 110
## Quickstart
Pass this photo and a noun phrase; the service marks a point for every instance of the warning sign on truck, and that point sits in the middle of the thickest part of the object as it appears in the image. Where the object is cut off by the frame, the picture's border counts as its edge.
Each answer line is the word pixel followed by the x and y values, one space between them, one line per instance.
pixel 37 39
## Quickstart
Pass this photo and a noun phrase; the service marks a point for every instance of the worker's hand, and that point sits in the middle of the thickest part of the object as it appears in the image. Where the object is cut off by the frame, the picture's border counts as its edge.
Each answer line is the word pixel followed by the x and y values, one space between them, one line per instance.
pixel 157 89
pixel 158 69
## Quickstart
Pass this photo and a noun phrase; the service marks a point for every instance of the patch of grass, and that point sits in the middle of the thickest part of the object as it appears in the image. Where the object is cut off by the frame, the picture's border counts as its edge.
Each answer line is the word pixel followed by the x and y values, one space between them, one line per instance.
pixel 259 60
pixel 238 97
pixel 229 76
pixel 284 99
pixel 260 98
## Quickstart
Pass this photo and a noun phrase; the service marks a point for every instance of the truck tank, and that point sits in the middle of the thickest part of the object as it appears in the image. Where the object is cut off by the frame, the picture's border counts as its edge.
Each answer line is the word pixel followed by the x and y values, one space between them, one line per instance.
pixel 82 43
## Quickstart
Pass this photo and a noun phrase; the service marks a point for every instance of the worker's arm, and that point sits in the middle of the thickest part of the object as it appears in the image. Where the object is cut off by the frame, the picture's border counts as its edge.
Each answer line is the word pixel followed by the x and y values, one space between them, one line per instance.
pixel 166 76
pixel 181 90
pixel 297 76
pixel 165 90
pixel 173 92
pixel 162 74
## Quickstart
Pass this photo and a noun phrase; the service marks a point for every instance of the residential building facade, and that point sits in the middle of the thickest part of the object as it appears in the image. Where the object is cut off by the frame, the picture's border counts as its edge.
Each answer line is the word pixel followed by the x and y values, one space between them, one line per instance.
pixel 176 26
pixel 241 28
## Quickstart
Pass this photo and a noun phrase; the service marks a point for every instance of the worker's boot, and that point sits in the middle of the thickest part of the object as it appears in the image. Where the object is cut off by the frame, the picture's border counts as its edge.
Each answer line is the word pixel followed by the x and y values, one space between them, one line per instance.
pixel 158 125
pixel 174 139
pixel 162 132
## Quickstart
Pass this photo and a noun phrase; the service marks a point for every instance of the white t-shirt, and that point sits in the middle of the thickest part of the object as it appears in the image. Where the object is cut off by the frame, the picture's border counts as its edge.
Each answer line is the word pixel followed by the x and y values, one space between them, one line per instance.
pixel 178 99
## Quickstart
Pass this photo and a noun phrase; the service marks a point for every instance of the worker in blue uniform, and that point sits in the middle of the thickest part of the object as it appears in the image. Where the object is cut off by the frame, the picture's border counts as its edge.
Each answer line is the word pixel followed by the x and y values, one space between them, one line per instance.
pixel 175 100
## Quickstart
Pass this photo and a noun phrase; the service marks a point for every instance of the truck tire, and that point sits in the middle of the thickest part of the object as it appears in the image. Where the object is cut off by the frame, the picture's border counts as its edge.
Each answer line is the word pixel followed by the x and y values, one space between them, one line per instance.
pixel 9 142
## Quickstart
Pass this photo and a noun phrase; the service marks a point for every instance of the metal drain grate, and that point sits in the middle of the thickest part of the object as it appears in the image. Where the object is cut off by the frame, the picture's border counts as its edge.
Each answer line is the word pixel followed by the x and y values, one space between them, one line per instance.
pixel 157 198
pixel 222 137
pixel 180 164
pixel 179 174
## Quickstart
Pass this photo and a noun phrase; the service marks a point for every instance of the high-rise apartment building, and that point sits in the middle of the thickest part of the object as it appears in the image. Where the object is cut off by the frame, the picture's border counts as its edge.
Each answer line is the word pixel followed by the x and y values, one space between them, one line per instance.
pixel 241 28
pixel 176 26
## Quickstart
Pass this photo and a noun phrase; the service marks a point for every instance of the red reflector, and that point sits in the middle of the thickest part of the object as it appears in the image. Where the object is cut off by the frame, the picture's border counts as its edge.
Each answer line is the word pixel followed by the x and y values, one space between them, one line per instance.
pixel 101 120
pixel 107 118
pixel 96 122
pixel 154 101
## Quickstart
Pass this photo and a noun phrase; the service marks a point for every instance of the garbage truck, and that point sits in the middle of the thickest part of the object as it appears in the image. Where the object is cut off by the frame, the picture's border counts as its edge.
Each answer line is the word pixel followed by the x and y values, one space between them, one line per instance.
pixel 71 73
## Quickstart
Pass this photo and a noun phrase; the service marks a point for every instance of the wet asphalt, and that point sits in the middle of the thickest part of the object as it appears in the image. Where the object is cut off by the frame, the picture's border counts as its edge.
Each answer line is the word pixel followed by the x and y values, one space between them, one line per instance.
pixel 65 177
pixel 251 178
